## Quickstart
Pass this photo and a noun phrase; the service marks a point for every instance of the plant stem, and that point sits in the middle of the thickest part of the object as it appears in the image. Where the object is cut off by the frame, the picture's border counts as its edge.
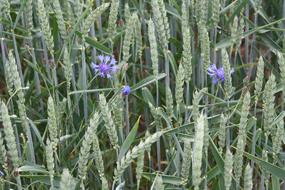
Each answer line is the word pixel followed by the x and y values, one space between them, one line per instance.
pixel 127 132
pixel 247 37
pixel 166 67
pixel 18 62
pixel 84 83
pixel 55 80
pixel 47 64
pixel 19 183
pixel 187 101
pixel 36 74
pixel 157 129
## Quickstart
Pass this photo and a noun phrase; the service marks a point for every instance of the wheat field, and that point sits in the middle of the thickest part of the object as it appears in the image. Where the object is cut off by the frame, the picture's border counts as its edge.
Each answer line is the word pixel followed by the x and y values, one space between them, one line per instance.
pixel 142 94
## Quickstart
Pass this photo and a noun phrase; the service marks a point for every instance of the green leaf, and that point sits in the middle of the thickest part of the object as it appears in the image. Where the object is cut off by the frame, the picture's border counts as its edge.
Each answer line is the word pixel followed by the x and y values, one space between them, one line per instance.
pixel 172 62
pixel 91 91
pixel 129 140
pixel 275 183
pixel 171 10
pixel 261 12
pixel 278 119
pixel 240 5
pixel 213 172
pixel 219 160
pixel 217 156
pixel 99 46
pixel 94 43
pixel 228 41
pixel 37 179
pixel 165 117
pixel 36 132
pixel 274 170
pixel 165 178
pixel 147 96
pixel 229 7
pixel 33 169
pixel 147 81
pixel 211 120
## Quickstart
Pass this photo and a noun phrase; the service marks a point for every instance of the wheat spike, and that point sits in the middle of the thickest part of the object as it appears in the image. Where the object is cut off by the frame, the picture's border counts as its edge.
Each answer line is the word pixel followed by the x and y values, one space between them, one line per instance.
pixel 248 178
pixel 222 132
pixel 99 162
pixel 67 181
pixel 179 86
pixel 186 164
pixel 268 103
pixel 259 77
pixel 109 122
pixel 113 16
pixel 228 78
pixel 153 47
pixel 9 136
pixel 50 161
pixel 59 18
pixel 160 21
pixel 139 168
pixel 45 26
pixel 52 123
pixel 228 167
pixel 198 151
pixel 134 153
pixel 94 14
pixel 86 147
pixel 186 34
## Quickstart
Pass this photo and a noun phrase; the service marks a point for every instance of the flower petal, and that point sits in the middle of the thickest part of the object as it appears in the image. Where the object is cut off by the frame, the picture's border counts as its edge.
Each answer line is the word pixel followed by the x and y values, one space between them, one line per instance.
pixel 215 80
pixel 101 58
pixel 126 90
pixel 113 61
pixel 107 58
pixel 114 69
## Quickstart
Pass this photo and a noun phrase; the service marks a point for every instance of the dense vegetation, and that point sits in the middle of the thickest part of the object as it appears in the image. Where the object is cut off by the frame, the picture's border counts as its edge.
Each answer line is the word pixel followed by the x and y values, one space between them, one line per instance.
pixel 155 94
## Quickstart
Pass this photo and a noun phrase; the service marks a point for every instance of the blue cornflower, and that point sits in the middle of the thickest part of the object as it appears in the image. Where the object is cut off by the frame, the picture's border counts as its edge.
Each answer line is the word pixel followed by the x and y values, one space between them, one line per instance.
pixel 217 75
pixel 126 90
pixel 1 174
pixel 106 67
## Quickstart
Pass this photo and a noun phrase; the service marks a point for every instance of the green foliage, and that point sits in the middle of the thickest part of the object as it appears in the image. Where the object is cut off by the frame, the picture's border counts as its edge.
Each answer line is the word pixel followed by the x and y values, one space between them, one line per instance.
pixel 69 120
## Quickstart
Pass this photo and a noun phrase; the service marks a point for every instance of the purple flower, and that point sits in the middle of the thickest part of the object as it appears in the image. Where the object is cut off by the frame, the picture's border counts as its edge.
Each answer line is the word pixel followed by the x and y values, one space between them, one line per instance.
pixel 106 67
pixel 217 75
pixel 126 90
